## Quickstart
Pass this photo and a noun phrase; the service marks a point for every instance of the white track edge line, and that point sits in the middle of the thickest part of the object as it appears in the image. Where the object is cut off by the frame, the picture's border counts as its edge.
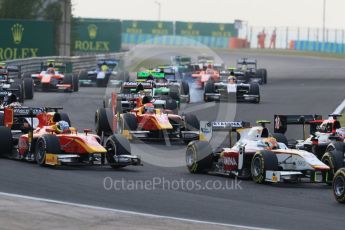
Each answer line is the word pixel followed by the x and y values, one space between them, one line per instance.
pixel 127 212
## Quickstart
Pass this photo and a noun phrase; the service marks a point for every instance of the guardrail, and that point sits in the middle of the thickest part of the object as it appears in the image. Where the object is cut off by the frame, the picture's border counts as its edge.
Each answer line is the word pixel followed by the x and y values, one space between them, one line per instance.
pixel 78 62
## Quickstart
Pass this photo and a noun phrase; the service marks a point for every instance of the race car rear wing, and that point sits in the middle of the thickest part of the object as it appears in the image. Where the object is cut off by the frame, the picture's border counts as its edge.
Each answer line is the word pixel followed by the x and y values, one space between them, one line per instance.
pixel 246 61
pixel 148 74
pixel 11 113
pixel 208 127
pixel 111 62
pixel 282 121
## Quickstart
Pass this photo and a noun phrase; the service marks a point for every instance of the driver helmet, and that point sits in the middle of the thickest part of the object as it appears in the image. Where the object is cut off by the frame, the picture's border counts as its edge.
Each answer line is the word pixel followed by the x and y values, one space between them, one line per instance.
pixel 271 143
pixel 149 108
pixel 62 126
pixel 51 71
pixel 232 79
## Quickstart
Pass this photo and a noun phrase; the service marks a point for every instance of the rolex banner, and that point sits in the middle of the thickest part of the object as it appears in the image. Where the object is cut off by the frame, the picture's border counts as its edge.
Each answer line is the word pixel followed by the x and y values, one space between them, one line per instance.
pixel 206 29
pixel 25 39
pixel 96 35
pixel 158 28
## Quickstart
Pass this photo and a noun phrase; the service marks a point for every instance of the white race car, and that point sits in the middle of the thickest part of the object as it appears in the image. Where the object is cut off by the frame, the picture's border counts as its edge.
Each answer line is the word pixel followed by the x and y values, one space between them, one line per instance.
pixel 257 154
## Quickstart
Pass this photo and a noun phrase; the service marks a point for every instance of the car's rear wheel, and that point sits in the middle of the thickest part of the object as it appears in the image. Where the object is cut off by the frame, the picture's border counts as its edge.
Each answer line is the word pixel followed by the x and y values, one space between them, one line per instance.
pixel 170 104
pixel 209 88
pixel 75 83
pixel 18 91
pixel 103 121
pixel 255 90
pixel 199 157
pixel 5 141
pixel 68 80
pixel 191 122
pixel 185 90
pixel 28 85
pixel 129 122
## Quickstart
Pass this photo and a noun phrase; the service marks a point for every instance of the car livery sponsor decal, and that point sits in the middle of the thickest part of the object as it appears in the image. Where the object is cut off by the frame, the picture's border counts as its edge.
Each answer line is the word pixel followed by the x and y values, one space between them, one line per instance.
pixel 277 122
pixel 230 161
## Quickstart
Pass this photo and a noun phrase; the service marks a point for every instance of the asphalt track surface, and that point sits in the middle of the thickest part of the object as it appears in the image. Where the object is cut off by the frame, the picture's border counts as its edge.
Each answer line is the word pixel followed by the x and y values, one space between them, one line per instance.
pixel 297 85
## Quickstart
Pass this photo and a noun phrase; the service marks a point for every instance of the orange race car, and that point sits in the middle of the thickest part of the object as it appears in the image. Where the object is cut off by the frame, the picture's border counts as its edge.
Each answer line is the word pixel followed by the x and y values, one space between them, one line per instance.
pixel 54 77
pixel 205 75
pixel 44 135
pixel 147 118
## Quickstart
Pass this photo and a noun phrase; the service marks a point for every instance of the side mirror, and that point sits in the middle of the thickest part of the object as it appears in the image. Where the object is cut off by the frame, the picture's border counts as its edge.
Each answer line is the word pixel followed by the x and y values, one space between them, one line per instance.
pixel 86 131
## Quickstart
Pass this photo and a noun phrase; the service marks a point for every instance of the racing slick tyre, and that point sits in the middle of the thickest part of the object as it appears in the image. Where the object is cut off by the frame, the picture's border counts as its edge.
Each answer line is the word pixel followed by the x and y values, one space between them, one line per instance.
pixel 75 83
pixel 46 144
pixel 1 119
pixel 334 158
pixel 28 86
pixel 116 145
pixel 27 75
pixel 65 117
pixel 129 122
pixel 265 75
pixel 5 141
pixel 185 90
pixel 19 91
pixel 339 185
pixel 260 73
pixel 255 90
pixel 103 121
pixel 68 80
pixel 191 122
pixel 174 92
pixel 280 138
pixel 199 157
pixel 83 76
pixel 209 88
pixel 318 151
pixel 263 161
pixel 170 104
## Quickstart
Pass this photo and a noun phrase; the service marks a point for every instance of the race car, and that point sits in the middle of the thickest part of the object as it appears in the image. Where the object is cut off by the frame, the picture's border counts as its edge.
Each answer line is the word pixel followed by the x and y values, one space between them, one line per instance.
pixel 257 154
pixel 203 76
pixel 166 82
pixel 106 70
pixel 246 71
pixel 10 80
pixel 182 66
pixel 205 60
pixel 131 91
pixel 339 185
pixel 230 90
pixel 321 131
pixel 51 141
pixel 326 139
pixel 180 60
pixel 148 119
pixel 53 76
